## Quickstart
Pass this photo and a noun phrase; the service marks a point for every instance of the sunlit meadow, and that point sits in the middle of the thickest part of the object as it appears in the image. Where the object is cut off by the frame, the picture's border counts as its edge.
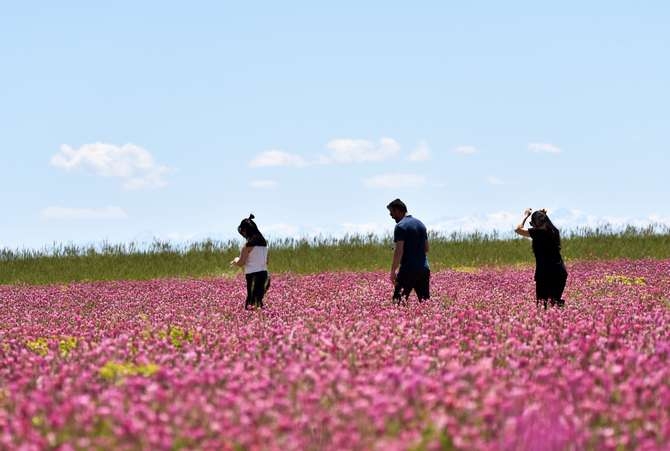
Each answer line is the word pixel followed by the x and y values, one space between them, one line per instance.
pixel 331 364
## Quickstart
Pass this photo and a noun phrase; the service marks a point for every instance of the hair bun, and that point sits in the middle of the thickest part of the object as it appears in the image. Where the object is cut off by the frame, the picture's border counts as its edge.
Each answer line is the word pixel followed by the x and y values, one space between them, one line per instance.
pixel 251 216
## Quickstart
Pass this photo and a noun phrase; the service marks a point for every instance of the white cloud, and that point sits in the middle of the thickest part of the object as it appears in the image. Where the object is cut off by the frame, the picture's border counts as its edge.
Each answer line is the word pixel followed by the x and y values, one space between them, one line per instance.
pixel 565 219
pixel 655 218
pixel 177 237
pixel 281 230
pixel 352 228
pixel 492 180
pixel 67 213
pixel 502 222
pixel 273 158
pixel 420 153
pixel 543 148
pixel 465 150
pixel 342 151
pixel 263 184
pixel 285 230
pixel 496 221
pixel 361 150
pixel 574 218
pixel 395 181
pixel 134 165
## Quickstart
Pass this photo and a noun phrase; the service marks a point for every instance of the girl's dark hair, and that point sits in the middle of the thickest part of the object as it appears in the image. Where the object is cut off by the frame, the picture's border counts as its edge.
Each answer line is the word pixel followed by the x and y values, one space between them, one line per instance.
pixel 248 229
pixel 540 220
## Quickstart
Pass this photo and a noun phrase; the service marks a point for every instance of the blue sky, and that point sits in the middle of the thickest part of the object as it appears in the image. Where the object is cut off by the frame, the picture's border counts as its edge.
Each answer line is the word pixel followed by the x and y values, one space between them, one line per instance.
pixel 132 120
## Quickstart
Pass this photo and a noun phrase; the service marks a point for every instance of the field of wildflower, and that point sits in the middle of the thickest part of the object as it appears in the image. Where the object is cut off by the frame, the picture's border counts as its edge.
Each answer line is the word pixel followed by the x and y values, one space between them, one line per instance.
pixel 331 364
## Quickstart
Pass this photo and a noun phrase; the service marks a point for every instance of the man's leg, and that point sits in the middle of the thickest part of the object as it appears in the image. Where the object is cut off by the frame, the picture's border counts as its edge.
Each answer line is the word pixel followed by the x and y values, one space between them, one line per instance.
pixel 401 290
pixel 399 293
pixel 422 286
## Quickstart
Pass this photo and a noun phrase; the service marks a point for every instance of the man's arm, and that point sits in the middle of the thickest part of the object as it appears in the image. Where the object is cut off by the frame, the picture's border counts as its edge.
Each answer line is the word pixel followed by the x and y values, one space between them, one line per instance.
pixel 427 247
pixel 397 257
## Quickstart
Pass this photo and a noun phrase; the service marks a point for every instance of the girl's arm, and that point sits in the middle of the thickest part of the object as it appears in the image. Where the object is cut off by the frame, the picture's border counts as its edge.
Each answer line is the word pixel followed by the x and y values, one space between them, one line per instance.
pixel 242 259
pixel 520 228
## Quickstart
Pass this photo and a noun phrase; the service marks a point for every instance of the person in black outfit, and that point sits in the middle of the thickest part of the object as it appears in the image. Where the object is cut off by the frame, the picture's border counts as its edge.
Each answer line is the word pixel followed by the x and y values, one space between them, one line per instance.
pixel 409 269
pixel 550 272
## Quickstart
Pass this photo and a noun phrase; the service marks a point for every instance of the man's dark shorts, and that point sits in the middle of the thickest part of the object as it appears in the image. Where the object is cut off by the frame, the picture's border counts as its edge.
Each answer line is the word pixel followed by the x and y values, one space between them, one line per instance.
pixel 417 280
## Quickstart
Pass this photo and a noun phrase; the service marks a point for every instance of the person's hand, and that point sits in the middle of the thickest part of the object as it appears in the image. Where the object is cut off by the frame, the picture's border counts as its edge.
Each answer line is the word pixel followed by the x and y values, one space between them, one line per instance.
pixel 234 261
pixel 527 211
pixel 393 277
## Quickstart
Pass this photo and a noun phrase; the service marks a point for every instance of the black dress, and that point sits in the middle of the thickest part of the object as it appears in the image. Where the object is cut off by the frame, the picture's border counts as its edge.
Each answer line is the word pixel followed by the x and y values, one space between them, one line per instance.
pixel 550 272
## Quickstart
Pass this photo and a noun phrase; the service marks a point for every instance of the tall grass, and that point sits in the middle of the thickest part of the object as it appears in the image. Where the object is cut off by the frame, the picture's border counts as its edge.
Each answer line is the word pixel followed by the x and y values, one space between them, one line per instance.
pixel 67 263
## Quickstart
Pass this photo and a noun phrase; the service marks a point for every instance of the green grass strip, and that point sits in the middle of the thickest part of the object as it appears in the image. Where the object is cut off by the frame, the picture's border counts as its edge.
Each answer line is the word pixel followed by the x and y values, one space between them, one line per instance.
pixel 62 264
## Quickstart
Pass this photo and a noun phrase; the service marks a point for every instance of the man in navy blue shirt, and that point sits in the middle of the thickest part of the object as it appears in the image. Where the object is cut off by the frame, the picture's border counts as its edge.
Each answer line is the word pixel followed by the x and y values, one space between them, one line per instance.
pixel 410 269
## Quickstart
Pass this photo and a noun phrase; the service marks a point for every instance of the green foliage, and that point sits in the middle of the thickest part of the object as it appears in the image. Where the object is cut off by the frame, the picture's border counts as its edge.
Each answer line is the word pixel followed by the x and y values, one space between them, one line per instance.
pixel 66 345
pixel 625 280
pixel 433 438
pixel 39 346
pixel 178 335
pixel 115 371
pixel 63 264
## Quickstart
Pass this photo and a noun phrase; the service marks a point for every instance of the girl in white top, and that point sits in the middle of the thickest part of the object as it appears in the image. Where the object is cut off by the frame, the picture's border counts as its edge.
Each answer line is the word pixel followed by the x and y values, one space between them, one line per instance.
pixel 254 259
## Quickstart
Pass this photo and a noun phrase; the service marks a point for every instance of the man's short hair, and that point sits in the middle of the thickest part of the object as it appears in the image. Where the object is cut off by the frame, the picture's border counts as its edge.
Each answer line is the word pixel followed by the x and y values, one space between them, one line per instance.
pixel 397 204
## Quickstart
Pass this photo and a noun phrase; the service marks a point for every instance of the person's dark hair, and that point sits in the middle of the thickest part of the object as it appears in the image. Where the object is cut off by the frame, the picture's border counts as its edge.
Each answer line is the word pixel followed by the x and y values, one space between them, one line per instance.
pixel 248 229
pixel 397 204
pixel 540 220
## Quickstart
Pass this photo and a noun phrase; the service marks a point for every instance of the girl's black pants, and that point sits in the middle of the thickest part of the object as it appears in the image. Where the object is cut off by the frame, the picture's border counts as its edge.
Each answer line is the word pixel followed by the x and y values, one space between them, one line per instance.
pixel 257 284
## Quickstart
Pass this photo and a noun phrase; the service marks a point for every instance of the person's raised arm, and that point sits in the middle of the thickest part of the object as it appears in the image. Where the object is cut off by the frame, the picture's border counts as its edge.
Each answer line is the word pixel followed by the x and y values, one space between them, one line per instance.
pixel 520 230
pixel 397 257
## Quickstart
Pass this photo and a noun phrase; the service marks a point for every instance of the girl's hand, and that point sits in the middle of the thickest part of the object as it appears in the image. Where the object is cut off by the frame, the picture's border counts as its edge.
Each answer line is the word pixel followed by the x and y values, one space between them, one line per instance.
pixel 527 211
pixel 234 261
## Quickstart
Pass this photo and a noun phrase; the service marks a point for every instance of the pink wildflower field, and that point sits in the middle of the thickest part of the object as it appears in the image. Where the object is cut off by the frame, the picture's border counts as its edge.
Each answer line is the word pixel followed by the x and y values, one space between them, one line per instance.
pixel 331 364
